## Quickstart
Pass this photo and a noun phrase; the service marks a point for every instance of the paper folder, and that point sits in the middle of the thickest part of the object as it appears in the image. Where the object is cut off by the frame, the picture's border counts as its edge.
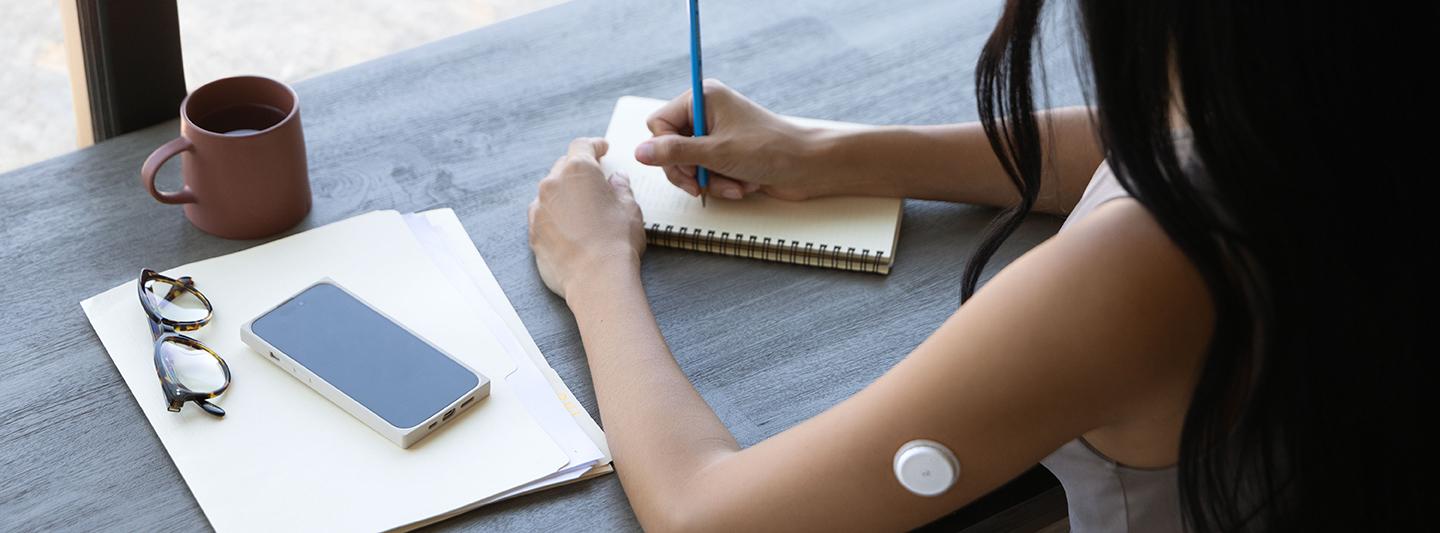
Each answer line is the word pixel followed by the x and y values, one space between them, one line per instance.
pixel 286 459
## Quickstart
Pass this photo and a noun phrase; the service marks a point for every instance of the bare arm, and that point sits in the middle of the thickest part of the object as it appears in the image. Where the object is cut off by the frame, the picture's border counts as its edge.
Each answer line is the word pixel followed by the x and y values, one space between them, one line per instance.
pixel 749 149
pixel 1073 336
pixel 955 162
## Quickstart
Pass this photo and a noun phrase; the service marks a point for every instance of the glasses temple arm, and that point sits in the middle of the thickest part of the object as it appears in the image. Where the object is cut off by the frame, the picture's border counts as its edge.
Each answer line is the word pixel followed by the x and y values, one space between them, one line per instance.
pixel 175 290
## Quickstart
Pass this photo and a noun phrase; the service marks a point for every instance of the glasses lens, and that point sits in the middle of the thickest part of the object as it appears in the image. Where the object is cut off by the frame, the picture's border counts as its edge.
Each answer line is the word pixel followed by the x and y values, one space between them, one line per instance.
pixel 175 302
pixel 194 368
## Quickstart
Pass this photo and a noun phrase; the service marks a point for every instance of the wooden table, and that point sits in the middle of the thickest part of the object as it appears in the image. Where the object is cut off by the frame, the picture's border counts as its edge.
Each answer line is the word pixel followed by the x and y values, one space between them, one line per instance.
pixel 472 122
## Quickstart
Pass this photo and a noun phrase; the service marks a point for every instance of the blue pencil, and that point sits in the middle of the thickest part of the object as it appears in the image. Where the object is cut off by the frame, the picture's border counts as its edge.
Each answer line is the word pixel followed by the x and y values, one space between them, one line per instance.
pixel 697 92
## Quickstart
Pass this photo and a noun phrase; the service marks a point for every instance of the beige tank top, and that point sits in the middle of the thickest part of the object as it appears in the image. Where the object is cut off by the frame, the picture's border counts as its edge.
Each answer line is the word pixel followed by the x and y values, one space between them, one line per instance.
pixel 1102 494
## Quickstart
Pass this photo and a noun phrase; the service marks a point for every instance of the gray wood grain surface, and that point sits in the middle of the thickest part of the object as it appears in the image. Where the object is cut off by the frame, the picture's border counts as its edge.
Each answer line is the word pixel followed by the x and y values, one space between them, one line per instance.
pixel 472 122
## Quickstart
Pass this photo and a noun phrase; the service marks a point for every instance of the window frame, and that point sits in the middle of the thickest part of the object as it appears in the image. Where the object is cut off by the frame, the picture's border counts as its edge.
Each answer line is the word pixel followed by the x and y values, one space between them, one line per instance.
pixel 126 69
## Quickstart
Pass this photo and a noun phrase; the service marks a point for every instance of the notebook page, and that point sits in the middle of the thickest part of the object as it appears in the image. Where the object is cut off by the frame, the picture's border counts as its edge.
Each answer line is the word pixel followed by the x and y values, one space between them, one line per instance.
pixel 858 222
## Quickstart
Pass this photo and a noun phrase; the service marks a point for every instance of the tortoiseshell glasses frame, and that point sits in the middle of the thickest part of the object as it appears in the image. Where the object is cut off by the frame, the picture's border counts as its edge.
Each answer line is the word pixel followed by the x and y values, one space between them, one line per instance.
pixel 167 333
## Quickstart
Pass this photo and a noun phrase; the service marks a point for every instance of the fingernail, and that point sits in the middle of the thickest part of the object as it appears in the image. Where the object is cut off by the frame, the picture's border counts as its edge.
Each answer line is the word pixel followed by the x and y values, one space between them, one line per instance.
pixel 730 193
pixel 645 153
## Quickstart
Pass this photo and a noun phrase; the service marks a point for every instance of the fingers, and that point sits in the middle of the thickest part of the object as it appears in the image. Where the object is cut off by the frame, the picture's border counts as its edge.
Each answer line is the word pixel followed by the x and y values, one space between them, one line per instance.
pixel 591 147
pixel 673 118
pixel 582 157
pixel 726 188
pixel 677 150
pixel 720 186
pixel 715 87
pixel 684 178
pixel 676 116
pixel 677 154
pixel 559 165
pixel 621 182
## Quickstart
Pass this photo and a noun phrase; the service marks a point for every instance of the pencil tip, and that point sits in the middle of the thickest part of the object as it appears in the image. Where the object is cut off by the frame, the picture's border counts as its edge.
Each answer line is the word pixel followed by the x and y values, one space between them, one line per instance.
pixel 702 199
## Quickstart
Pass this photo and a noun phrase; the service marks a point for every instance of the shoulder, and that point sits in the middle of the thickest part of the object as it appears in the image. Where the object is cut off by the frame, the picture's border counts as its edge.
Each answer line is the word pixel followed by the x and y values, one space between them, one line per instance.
pixel 1115 295
pixel 1120 245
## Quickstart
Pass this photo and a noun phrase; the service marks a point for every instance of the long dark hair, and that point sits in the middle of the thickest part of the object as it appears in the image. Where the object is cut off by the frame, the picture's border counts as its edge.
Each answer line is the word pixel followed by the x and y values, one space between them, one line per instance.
pixel 1296 196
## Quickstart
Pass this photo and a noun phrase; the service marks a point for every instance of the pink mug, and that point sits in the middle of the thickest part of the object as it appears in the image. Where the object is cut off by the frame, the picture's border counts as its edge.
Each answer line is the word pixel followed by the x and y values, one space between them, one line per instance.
pixel 242 159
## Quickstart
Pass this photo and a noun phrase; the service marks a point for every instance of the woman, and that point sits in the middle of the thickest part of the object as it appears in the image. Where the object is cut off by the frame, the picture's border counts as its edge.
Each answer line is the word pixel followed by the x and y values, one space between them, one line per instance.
pixel 1222 337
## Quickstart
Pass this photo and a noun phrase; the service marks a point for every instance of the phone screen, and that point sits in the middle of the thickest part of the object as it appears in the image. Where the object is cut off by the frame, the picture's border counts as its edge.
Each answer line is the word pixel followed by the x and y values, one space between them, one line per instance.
pixel 369 358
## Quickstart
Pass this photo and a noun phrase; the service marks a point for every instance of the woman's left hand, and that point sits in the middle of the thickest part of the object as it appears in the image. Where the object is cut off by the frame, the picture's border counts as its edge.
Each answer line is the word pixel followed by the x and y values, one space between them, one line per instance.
pixel 584 226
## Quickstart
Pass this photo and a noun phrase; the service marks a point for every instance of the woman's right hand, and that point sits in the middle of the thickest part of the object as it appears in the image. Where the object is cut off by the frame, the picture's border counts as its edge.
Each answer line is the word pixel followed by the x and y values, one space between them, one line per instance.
pixel 747 148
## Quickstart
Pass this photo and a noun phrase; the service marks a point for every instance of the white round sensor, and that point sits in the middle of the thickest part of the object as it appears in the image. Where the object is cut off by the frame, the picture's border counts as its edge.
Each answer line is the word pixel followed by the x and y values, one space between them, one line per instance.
pixel 926 467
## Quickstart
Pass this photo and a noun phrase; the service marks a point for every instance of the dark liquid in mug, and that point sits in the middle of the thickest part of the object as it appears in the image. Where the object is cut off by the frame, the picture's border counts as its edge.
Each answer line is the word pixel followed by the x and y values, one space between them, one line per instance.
pixel 241 119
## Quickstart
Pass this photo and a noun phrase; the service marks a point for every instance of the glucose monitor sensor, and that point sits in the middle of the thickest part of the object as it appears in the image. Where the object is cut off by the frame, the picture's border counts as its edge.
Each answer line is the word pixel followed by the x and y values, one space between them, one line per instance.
pixel 926 467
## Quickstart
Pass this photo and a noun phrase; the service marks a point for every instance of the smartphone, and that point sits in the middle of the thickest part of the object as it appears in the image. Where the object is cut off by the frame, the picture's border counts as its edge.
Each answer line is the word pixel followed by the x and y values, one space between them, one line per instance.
pixel 370 366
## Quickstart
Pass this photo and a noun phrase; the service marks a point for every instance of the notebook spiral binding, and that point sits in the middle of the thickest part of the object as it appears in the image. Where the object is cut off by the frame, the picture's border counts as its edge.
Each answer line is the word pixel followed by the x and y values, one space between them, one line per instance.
pixel 767 248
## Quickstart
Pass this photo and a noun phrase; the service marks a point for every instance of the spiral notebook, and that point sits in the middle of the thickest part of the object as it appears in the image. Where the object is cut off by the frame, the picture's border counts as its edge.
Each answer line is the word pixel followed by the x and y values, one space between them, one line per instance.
pixel 849 233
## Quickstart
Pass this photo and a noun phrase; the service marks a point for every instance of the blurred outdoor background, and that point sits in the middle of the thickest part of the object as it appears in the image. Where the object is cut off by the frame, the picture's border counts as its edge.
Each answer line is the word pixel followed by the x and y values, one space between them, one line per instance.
pixel 289 40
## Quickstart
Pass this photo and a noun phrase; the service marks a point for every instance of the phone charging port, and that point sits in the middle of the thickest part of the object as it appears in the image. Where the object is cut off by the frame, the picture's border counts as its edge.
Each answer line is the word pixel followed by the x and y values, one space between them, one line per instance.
pixel 448 414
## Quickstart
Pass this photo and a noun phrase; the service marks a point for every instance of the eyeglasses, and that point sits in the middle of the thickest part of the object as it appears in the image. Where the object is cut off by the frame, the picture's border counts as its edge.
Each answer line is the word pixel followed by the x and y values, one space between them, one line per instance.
pixel 189 371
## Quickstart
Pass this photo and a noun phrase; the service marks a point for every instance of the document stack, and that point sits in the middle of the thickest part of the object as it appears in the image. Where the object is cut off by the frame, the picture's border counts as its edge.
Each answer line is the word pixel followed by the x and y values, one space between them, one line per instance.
pixel 286 459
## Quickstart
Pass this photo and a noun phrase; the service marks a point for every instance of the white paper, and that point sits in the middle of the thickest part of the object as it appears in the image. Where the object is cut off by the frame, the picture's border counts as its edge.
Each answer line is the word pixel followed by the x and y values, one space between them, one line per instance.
pixel 286 459
pixel 442 235
pixel 534 390
pixel 454 232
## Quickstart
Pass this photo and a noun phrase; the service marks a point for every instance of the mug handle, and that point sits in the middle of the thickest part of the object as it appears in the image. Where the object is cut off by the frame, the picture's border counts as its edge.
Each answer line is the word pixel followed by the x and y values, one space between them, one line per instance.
pixel 155 161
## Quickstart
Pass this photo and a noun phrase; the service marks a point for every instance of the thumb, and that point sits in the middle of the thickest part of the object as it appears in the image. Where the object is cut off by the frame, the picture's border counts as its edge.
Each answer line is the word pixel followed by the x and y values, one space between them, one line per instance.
pixel 666 150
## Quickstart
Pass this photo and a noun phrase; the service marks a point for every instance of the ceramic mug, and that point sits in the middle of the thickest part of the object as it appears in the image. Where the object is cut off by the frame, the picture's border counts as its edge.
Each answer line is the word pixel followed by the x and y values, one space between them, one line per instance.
pixel 242 159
